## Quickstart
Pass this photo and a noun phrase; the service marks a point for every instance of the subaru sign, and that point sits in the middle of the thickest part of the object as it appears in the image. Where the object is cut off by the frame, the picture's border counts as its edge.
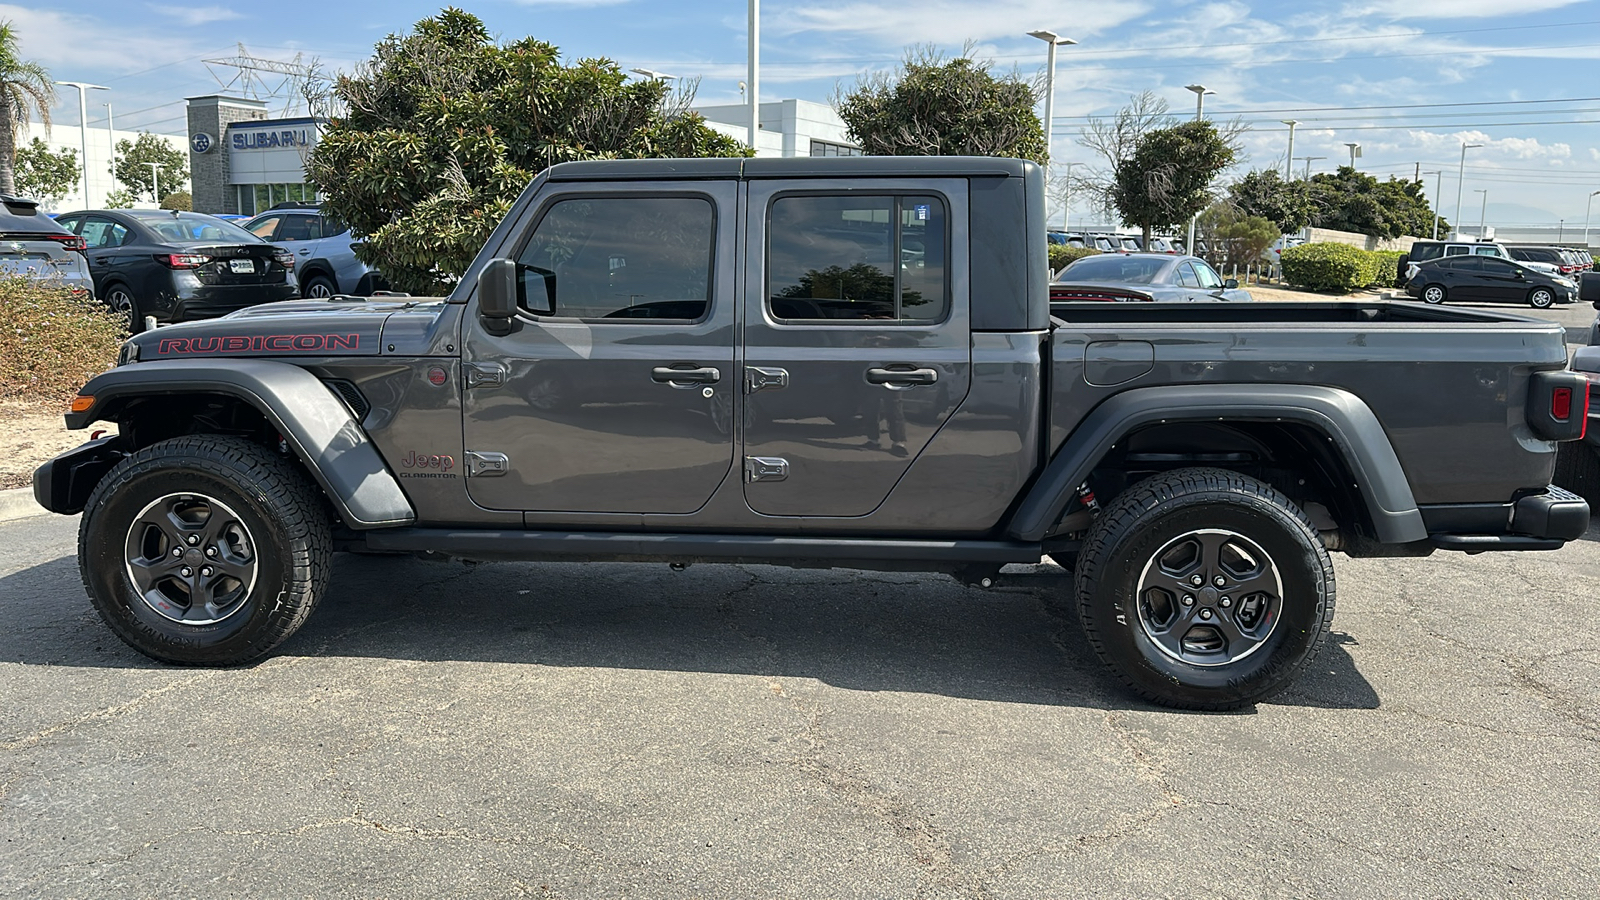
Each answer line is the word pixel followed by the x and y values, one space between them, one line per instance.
pixel 200 142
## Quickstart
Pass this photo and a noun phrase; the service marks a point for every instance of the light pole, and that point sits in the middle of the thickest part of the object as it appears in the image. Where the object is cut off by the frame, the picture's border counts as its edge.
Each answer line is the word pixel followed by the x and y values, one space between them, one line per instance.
pixel 1586 206
pixel 1288 164
pixel 1308 160
pixel 1200 92
pixel 653 75
pixel 84 88
pixel 1461 175
pixel 1561 229
pixel 155 183
pixel 1054 40
pixel 1066 202
pixel 755 72
pixel 1355 153
pixel 1482 210
pixel 111 140
pixel 1438 185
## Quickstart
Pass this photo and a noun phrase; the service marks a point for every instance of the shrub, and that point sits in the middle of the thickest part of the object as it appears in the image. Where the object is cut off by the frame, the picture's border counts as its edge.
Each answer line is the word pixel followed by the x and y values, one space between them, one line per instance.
pixel 180 200
pixel 1387 268
pixel 52 341
pixel 1329 267
pixel 1062 254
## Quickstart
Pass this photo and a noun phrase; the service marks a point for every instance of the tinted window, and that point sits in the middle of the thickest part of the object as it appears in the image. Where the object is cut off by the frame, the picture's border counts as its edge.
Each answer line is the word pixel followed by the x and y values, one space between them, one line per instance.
pixel 1455 251
pixel 833 258
pixel 1486 251
pixel 1499 266
pixel 299 228
pixel 1425 252
pixel 1209 279
pixel 1465 264
pixel 1186 276
pixel 99 233
pixel 620 258
pixel 1116 269
pixel 263 227
pixel 332 227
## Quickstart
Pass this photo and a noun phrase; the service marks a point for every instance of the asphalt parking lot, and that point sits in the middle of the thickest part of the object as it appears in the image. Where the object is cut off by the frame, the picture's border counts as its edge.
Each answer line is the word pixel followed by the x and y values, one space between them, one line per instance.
pixel 630 731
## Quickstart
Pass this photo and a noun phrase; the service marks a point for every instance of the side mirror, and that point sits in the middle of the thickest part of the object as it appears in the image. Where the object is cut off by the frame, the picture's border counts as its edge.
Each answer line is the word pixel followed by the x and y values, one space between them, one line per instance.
pixel 497 295
pixel 1230 284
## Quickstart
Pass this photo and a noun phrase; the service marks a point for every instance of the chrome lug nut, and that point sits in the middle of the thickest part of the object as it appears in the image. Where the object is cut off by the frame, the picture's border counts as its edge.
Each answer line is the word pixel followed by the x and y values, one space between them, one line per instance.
pixel 194 539
pixel 205 571
pixel 1205 613
pixel 211 551
pixel 186 571
pixel 1197 580
pixel 1188 599
pixel 177 551
pixel 1225 602
pixel 1219 581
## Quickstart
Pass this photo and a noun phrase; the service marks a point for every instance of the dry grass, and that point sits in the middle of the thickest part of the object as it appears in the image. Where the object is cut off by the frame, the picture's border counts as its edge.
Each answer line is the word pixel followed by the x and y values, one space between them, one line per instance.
pixel 51 341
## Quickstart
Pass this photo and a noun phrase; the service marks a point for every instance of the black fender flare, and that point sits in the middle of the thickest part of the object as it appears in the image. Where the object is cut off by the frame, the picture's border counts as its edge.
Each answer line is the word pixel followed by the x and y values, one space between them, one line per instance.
pixel 314 267
pixel 1338 414
pixel 317 426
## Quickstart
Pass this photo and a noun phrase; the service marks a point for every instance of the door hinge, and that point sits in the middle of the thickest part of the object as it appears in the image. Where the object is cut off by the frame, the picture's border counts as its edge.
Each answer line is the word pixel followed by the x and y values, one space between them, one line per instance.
pixel 760 378
pixel 484 464
pixel 765 468
pixel 485 374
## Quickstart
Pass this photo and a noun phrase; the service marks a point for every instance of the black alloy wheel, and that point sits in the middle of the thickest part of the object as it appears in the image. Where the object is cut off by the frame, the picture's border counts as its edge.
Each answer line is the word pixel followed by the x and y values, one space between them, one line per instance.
pixel 122 303
pixel 319 287
pixel 1204 589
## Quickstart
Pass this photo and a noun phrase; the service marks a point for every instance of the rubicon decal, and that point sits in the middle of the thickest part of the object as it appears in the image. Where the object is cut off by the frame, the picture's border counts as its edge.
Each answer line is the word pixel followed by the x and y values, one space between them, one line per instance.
pixel 259 343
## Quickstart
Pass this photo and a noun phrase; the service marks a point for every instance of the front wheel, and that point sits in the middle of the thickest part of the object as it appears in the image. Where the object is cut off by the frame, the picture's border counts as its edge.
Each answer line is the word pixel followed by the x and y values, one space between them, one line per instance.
pixel 204 550
pixel 1433 293
pixel 319 287
pixel 1204 589
pixel 121 301
pixel 1541 298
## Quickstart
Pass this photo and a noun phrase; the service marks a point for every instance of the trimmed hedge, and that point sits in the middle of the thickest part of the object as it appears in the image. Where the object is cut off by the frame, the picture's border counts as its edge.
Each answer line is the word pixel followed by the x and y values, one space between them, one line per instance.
pixel 51 341
pixel 1325 266
pixel 1062 254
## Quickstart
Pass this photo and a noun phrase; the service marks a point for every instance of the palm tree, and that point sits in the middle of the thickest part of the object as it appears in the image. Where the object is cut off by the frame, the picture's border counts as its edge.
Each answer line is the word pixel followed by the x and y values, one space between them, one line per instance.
pixel 25 87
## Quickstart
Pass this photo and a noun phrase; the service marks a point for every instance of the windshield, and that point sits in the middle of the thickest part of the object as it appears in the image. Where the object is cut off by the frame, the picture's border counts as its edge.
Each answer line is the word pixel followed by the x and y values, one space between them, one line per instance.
pixel 1121 269
pixel 196 228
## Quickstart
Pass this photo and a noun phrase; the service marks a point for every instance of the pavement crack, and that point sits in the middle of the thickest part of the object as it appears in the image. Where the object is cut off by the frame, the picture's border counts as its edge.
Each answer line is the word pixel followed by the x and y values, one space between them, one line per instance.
pixel 101 715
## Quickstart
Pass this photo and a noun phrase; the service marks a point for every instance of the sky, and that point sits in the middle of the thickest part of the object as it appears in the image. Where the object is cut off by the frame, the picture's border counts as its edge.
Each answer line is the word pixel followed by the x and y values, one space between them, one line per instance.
pixel 1410 80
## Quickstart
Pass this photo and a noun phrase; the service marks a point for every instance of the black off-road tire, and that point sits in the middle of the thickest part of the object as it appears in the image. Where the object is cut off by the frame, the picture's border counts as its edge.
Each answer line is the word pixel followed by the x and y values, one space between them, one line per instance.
pixel 1129 538
pixel 279 534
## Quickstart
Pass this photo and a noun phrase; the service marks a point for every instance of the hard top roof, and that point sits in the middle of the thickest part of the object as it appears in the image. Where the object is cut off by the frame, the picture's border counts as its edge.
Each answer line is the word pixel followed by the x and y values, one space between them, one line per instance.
pixel 789 167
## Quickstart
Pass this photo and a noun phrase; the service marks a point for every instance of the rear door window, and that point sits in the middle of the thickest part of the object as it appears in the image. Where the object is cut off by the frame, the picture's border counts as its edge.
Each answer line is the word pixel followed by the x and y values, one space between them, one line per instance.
pixel 851 258
pixel 101 233
pixel 265 227
pixel 1186 276
pixel 1486 251
pixel 1455 251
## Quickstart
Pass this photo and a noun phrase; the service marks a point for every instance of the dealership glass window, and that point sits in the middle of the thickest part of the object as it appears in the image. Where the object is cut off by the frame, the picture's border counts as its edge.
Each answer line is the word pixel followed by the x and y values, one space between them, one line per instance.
pixel 254 198
pixel 829 148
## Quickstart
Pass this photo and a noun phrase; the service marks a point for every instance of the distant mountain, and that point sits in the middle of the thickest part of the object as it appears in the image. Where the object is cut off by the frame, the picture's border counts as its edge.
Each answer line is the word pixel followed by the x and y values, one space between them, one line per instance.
pixel 1510 214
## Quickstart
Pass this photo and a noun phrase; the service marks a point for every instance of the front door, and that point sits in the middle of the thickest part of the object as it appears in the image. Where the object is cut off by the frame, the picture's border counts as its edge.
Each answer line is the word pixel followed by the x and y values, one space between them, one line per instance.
pixel 857 338
pixel 613 392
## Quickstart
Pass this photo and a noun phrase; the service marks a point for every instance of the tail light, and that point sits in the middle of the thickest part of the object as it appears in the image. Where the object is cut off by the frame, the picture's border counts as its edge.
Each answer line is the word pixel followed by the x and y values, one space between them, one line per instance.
pixel 70 241
pixel 284 258
pixel 182 260
pixel 1558 405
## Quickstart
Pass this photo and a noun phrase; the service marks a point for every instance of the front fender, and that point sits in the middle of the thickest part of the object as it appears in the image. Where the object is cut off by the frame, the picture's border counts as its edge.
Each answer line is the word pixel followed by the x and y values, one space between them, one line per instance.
pixel 313 422
pixel 1338 414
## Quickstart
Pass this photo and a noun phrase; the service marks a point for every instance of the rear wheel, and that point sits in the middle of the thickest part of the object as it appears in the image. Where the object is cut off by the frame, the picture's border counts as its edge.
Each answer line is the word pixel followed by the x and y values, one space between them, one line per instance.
pixel 121 301
pixel 1204 589
pixel 319 286
pixel 1433 293
pixel 1541 298
pixel 204 550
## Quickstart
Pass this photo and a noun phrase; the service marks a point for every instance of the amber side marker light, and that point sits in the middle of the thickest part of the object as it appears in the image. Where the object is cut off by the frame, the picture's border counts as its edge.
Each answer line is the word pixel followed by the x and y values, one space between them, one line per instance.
pixel 81 403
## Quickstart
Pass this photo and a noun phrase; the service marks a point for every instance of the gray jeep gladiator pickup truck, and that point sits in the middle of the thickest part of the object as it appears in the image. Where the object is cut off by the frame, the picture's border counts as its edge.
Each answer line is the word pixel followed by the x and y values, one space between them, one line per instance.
pixel 845 362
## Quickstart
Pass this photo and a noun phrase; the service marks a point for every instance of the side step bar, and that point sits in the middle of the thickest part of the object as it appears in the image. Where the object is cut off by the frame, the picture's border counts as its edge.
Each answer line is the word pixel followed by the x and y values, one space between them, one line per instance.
pixel 802 552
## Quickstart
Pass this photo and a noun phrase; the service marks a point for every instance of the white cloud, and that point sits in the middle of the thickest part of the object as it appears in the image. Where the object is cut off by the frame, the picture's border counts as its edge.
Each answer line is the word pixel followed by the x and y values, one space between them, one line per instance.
pixel 63 42
pixel 1446 10
pixel 950 22
pixel 197 15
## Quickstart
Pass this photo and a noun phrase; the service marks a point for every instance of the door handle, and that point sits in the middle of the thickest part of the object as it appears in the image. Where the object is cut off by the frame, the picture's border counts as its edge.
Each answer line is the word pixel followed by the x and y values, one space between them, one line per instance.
pixel 306 252
pixel 670 375
pixel 901 378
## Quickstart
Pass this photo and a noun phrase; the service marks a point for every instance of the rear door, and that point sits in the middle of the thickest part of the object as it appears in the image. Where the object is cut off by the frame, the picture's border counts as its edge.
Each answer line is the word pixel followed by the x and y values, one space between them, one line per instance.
pixel 857 338
pixel 613 391
pixel 1503 280
pixel 1463 278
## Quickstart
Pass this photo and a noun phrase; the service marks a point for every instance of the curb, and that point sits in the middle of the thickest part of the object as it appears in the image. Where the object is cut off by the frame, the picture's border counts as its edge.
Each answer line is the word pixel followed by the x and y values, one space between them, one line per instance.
pixel 18 503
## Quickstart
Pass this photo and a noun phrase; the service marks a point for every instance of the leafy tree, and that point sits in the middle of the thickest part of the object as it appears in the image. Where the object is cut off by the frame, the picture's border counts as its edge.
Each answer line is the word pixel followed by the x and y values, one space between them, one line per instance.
pixel 45 175
pixel 1348 200
pixel 181 200
pixel 443 127
pixel 1264 193
pixel 1168 178
pixel 1114 141
pixel 931 107
pixel 134 158
pixel 1235 238
pixel 25 88
pixel 120 199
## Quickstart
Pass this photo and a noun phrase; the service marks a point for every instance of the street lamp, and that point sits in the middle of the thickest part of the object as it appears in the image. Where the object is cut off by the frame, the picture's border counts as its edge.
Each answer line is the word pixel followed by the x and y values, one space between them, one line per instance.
pixel 155 183
pixel 1482 210
pixel 1200 92
pixel 755 71
pixel 1586 206
pixel 1438 185
pixel 1054 40
pixel 1288 165
pixel 1308 160
pixel 1461 175
pixel 1355 153
pixel 84 88
pixel 653 75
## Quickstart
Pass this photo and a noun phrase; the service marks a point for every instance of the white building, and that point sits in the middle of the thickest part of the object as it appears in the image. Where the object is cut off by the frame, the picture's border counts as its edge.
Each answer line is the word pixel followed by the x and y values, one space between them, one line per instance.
pixel 101 143
pixel 788 128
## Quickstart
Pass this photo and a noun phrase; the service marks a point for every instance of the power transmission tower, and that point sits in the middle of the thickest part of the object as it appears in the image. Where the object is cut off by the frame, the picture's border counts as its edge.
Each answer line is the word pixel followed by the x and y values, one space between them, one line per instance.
pixel 288 88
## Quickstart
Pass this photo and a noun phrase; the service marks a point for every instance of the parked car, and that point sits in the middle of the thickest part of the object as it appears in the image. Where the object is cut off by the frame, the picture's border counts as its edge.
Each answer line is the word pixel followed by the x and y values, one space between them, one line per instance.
pixel 1571 263
pixel 1549 259
pixel 1134 277
pixel 178 266
pixel 1157 245
pixel 323 248
pixel 1423 251
pixel 1487 279
pixel 36 247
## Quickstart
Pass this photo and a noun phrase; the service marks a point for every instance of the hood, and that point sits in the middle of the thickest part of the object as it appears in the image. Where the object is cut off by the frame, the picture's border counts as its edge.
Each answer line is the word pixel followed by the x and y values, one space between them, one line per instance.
pixel 290 328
